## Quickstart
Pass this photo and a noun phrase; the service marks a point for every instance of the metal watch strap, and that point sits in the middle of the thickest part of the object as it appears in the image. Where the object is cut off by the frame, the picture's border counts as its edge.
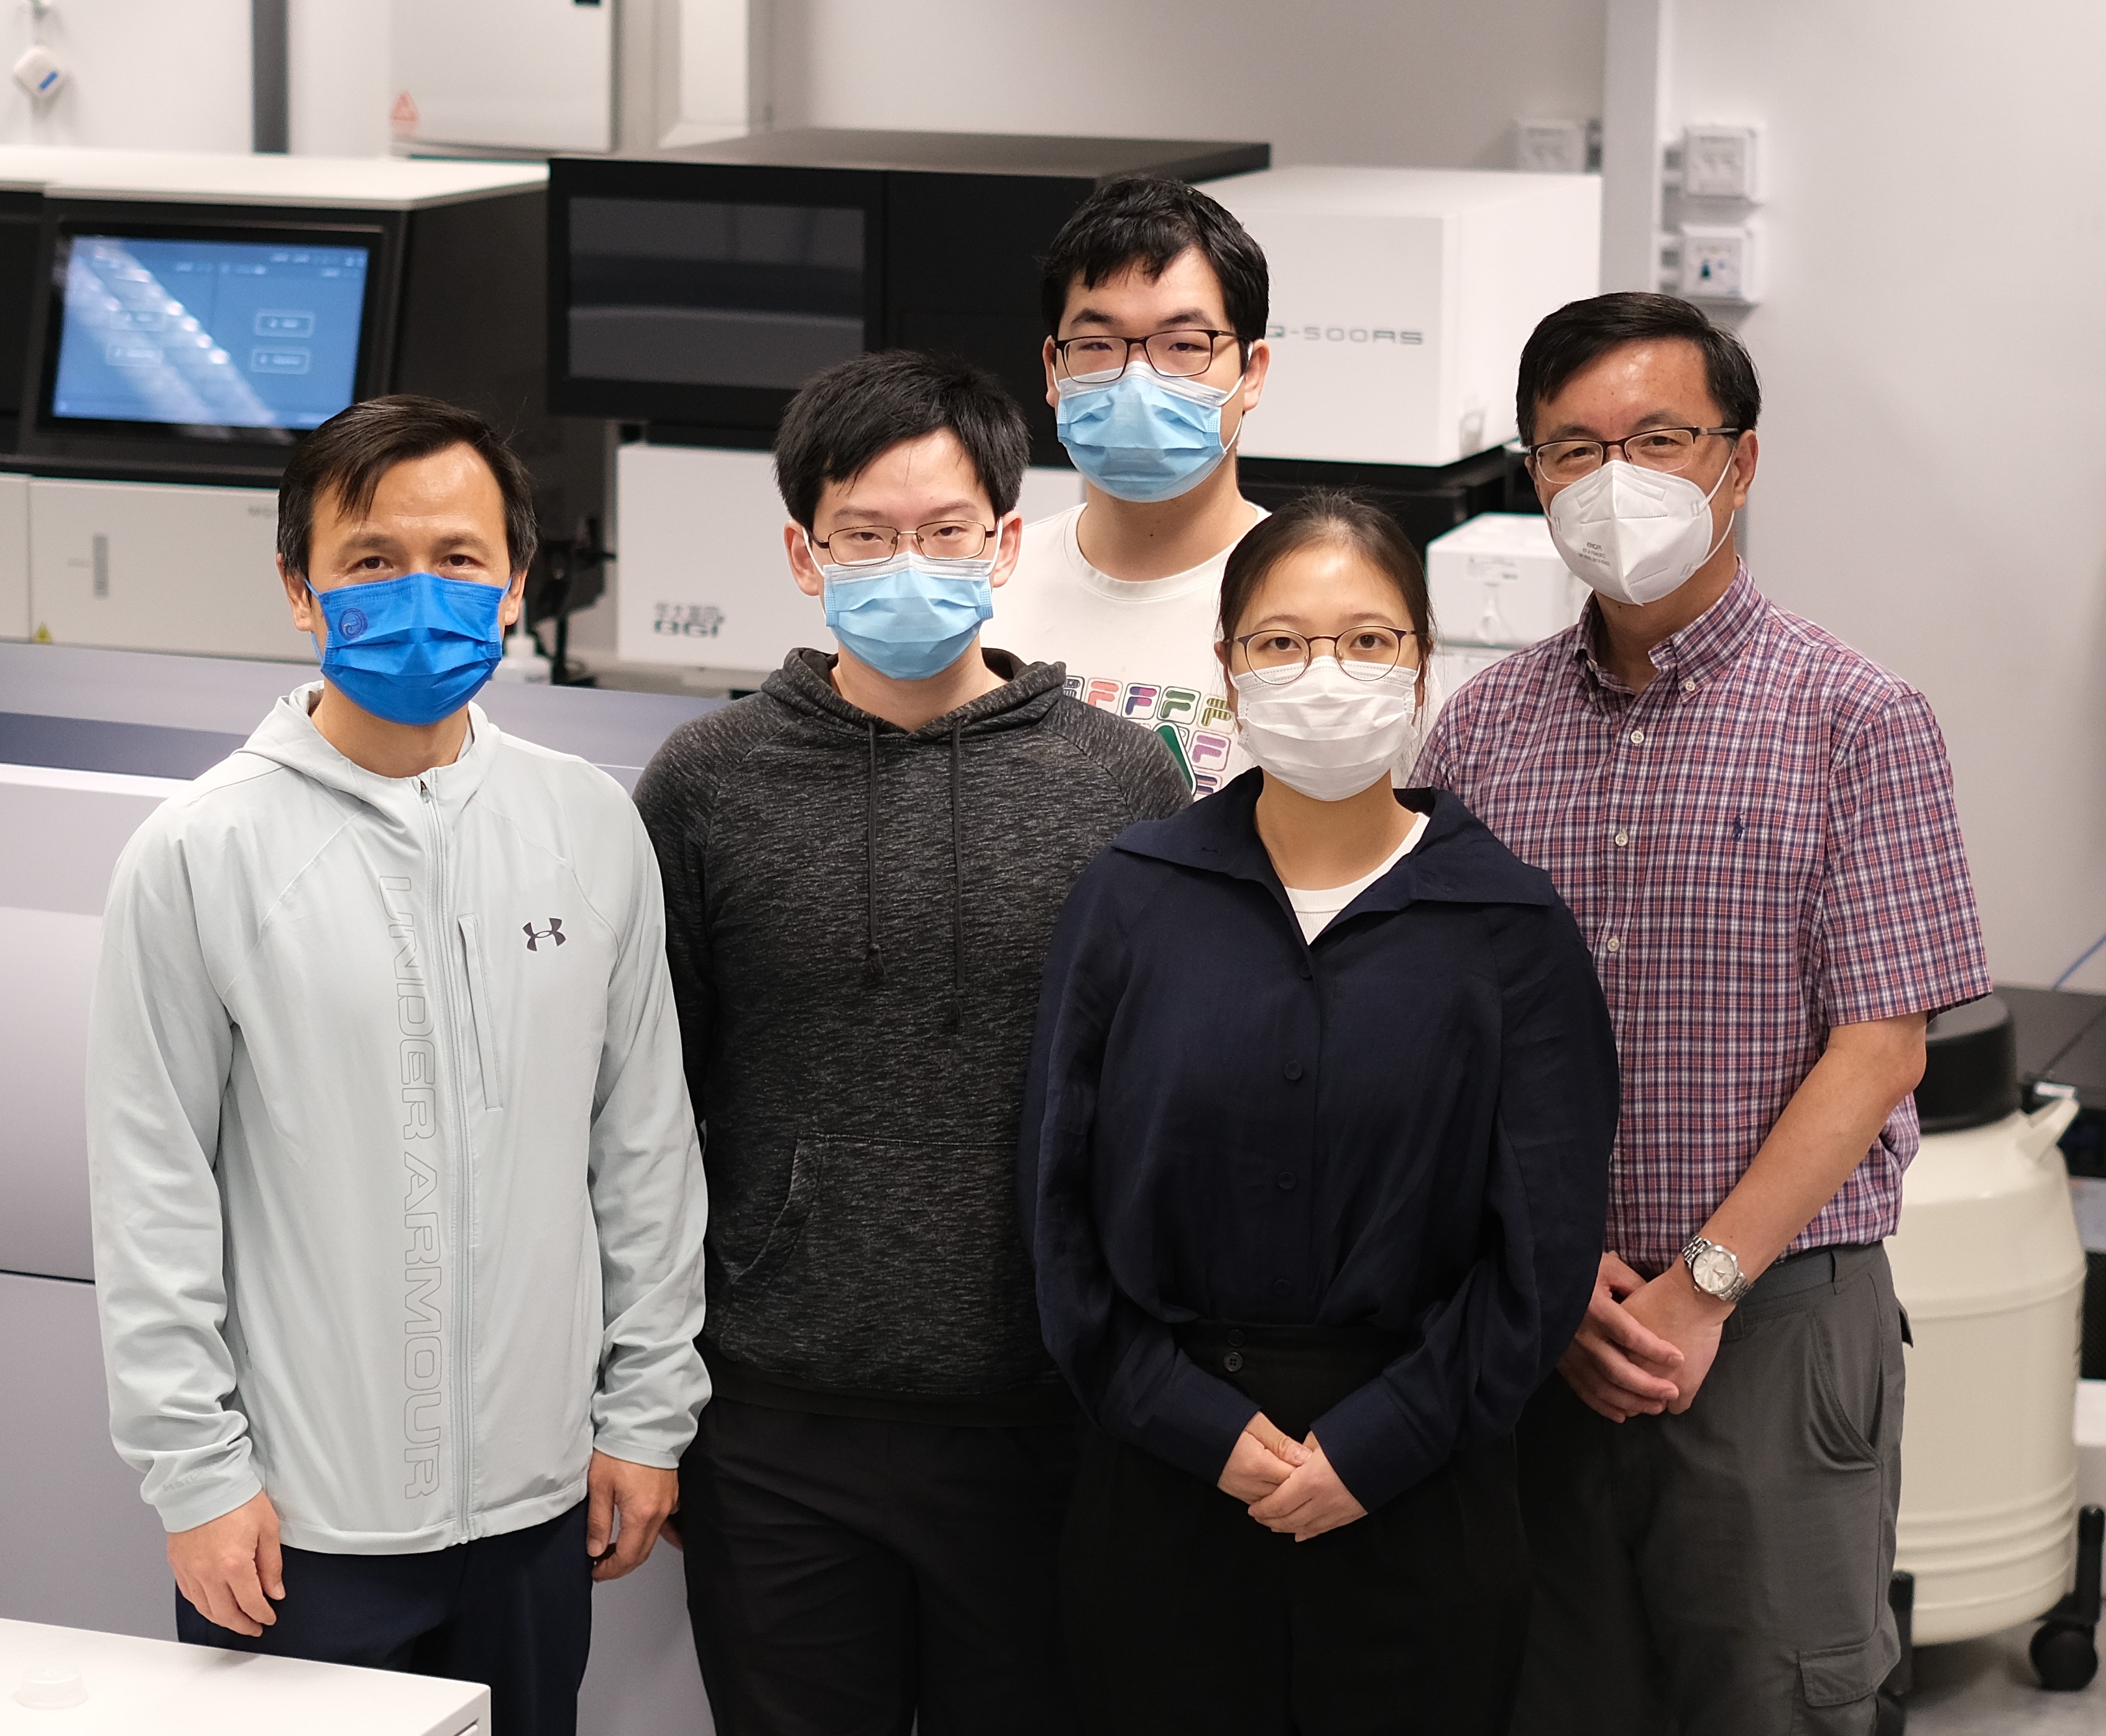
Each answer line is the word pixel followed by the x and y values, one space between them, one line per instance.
pixel 1737 1291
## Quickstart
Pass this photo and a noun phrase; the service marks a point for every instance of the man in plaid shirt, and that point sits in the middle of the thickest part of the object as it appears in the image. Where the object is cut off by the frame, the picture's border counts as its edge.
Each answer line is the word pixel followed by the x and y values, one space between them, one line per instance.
pixel 1755 827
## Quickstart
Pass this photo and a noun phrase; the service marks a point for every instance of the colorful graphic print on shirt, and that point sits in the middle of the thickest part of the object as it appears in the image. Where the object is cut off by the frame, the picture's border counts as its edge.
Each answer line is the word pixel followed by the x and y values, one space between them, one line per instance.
pixel 1197 727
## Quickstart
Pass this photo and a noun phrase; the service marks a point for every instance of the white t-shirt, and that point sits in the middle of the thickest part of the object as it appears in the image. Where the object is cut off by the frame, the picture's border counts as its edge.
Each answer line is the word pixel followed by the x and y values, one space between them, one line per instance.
pixel 1144 649
pixel 1315 910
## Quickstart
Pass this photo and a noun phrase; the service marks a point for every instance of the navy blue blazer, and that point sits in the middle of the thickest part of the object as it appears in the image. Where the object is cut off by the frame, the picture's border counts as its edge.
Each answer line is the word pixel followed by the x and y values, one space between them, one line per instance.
pixel 1405 1125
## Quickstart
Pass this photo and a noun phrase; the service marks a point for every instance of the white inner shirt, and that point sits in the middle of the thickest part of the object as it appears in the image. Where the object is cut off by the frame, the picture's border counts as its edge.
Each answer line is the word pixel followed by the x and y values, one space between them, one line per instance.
pixel 1314 910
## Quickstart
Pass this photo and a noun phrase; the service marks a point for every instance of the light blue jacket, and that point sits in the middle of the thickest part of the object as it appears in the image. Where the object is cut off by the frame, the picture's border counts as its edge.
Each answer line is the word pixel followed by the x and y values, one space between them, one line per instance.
pixel 398 1198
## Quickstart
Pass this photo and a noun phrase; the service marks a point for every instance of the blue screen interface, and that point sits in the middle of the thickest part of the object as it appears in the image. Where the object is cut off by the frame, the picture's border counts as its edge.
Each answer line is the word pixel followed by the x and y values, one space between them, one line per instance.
pixel 241 334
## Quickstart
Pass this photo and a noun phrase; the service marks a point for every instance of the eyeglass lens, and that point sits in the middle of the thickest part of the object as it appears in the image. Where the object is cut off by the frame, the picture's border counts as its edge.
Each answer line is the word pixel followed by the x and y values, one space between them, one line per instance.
pixel 948 540
pixel 1366 653
pixel 1657 449
pixel 1177 353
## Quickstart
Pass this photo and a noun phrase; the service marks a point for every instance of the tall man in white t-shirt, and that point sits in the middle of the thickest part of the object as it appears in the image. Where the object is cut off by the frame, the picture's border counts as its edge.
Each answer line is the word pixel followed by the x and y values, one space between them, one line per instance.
pixel 1155 303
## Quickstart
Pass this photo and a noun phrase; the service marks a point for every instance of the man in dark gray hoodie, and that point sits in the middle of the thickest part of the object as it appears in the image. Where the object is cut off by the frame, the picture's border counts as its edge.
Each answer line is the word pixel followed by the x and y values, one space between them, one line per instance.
pixel 863 863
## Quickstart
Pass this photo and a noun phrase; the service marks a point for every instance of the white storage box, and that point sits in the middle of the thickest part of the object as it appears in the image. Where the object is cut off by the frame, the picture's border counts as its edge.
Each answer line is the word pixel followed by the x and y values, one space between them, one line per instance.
pixel 1401 299
pixel 1499 580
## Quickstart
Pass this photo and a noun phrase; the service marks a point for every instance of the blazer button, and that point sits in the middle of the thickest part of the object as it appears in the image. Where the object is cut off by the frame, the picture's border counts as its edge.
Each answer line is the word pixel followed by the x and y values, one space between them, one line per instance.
pixel 1235 1338
pixel 1280 1287
pixel 1232 1361
pixel 1293 1070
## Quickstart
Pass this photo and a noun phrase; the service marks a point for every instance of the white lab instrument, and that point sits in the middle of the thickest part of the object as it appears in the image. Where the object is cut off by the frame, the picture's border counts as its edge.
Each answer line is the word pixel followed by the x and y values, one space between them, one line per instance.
pixel 1401 299
pixel 1498 580
pixel 1987 1263
pixel 67 1680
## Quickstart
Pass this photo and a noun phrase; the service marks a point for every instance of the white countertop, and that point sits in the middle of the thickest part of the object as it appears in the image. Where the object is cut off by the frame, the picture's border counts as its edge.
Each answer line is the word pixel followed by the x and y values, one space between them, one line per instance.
pixel 232 177
pixel 135 1687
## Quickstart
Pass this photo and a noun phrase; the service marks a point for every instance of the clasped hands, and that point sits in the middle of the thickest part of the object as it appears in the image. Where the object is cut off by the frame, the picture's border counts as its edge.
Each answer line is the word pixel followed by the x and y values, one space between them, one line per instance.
pixel 1289 1485
pixel 1645 1345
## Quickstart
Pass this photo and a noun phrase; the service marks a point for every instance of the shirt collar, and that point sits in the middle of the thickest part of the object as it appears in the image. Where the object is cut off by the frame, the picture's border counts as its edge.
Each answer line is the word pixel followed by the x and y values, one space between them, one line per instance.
pixel 1704 648
pixel 1457 860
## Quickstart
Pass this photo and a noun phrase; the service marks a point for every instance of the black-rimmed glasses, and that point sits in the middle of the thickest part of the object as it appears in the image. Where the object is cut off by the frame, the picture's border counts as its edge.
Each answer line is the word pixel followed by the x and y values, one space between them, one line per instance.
pixel 1669 450
pixel 1100 358
pixel 1276 656
pixel 944 539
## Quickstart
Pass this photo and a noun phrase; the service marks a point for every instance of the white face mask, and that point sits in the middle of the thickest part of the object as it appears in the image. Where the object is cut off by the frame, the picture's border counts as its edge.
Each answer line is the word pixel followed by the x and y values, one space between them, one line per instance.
pixel 1328 734
pixel 1635 534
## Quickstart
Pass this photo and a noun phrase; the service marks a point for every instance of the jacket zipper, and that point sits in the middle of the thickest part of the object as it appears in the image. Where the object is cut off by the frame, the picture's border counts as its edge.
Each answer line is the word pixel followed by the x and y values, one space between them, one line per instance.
pixel 442 957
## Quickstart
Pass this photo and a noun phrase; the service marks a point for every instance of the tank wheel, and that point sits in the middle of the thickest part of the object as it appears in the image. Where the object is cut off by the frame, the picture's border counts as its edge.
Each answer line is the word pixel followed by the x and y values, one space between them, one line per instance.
pixel 1893 1714
pixel 2065 1656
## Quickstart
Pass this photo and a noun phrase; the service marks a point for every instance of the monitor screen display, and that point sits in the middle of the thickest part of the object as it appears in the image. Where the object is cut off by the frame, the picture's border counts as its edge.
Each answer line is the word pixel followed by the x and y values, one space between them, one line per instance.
pixel 197 332
pixel 713 293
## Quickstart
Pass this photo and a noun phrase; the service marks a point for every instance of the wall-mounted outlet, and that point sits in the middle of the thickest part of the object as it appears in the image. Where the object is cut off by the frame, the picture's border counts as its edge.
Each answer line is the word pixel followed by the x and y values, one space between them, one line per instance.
pixel 1722 162
pixel 1550 147
pixel 39 73
pixel 1721 263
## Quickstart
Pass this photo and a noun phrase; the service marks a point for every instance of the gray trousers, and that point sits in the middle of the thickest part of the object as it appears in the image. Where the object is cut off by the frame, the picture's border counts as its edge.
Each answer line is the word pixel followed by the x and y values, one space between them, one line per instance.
pixel 1724 1572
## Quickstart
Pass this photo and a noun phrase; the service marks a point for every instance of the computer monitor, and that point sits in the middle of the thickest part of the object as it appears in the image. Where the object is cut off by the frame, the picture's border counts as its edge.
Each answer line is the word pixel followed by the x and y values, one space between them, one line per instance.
pixel 216 335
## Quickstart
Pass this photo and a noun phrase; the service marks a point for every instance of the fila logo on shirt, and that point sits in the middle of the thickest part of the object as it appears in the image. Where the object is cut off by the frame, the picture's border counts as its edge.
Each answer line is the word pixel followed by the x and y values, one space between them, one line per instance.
pixel 554 931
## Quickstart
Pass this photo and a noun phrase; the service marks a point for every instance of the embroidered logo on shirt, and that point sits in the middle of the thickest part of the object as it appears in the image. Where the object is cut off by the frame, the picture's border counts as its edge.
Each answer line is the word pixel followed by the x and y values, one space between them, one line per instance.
pixel 554 931
pixel 1739 827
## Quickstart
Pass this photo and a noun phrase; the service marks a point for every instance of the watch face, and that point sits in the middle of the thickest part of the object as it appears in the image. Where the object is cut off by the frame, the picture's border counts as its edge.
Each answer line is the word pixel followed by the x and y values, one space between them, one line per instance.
pixel 1715 1270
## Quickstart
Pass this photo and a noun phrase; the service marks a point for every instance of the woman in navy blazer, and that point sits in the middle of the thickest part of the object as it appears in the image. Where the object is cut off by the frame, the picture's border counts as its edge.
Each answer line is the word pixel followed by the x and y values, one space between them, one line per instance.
pixel 1314 1169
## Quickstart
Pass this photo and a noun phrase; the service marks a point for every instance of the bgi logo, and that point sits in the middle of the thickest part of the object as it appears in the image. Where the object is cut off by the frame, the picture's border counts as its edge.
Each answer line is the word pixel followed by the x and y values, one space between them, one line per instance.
pixel 687 620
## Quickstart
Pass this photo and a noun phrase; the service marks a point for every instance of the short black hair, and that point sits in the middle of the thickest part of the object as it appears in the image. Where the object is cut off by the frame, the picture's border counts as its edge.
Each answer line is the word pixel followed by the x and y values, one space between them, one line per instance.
pixel 1147 221
pixel 348 455
pixel 846 416
pixel 1339 517
pixel 1581 332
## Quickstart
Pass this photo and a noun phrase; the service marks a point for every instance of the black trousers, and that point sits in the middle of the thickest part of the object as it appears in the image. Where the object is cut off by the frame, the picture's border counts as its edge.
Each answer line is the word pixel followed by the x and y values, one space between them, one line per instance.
pixel 1185 1615
pixel 846 1575
pixel 513 1612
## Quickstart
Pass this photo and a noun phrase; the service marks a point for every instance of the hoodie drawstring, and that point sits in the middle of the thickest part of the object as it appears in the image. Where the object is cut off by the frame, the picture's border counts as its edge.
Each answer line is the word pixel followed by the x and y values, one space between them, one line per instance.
pixel 873 960
pixel 957 895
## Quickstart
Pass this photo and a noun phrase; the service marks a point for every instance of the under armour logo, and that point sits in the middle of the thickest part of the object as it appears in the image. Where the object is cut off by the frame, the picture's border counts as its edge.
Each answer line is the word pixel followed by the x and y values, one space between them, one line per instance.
pixel 554 931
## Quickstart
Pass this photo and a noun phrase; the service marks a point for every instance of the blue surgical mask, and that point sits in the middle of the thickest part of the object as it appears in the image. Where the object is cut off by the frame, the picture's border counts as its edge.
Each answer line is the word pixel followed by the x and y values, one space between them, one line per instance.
pixel 1144 435
pixel 412 650
pixel 911 616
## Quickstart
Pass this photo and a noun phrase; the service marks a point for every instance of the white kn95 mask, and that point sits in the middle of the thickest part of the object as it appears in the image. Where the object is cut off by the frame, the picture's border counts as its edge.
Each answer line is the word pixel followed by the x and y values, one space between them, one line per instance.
pixel 1632 534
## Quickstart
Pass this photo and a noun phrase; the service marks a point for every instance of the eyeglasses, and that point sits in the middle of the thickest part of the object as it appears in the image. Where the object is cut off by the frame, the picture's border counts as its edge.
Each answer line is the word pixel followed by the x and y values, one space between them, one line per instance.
pixel 1670 450
pixel 1277 657
pixel 946 540
pixel 1103 359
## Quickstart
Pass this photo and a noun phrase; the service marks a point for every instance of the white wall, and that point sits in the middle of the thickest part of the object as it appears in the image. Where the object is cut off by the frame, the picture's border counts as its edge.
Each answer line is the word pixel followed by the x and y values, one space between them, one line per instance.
pixel 142 74
pixel 1430 82
pixel 337 78
pixel 1933 346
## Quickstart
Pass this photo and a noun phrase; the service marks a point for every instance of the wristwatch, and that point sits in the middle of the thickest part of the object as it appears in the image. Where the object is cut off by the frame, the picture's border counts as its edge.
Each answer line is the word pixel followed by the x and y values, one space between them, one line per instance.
pixel 1716 1270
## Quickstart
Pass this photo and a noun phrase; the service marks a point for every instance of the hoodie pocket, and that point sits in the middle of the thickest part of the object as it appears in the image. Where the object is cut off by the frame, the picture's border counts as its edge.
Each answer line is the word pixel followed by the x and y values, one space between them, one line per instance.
pixel 483 1009
pixel 895 1264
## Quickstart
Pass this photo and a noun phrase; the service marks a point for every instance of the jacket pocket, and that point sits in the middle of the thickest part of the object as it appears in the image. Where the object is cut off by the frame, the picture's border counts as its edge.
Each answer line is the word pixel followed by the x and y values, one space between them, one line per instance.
pixel 896 1264
pixel 482 1009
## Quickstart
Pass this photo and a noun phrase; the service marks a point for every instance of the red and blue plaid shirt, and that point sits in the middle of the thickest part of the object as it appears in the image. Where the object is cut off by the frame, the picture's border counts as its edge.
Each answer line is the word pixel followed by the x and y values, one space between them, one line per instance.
pixel 1758 846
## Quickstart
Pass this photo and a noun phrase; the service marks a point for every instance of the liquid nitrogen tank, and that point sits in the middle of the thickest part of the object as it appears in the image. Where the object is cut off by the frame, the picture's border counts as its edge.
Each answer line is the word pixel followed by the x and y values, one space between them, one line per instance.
pixel 1987 1263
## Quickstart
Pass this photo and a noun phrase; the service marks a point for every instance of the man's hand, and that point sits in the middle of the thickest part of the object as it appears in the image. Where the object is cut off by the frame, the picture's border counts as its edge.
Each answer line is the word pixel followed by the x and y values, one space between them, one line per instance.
pixel 1620 1364
pixel 1311 1501
pixel 641 1497
pixel 229 1568
pixel 1672 1307
pixel 1260 1462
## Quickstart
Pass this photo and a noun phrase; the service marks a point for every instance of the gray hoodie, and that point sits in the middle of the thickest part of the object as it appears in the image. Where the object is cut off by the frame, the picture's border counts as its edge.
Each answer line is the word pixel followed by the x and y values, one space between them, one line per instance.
pixel 398 1208
pixel 857 916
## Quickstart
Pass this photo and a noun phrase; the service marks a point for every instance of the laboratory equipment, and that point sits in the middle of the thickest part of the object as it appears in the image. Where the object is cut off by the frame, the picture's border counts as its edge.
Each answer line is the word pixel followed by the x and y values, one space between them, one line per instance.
pixel 1497 584
pixel 186 318
pixel 1400 302
pixel 1987 1265
pixel 76 1680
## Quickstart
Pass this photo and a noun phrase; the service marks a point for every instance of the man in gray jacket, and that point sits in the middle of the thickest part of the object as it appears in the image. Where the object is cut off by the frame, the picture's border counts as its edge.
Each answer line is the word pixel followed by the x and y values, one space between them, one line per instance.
pixel 398 1205
pixel 862 862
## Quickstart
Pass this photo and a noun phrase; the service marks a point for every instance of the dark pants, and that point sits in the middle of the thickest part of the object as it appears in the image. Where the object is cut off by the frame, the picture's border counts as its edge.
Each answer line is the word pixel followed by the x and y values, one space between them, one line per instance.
pixel 1725 1571
pixel 513 1612
pixel 1185 1615
pixel 845 1574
